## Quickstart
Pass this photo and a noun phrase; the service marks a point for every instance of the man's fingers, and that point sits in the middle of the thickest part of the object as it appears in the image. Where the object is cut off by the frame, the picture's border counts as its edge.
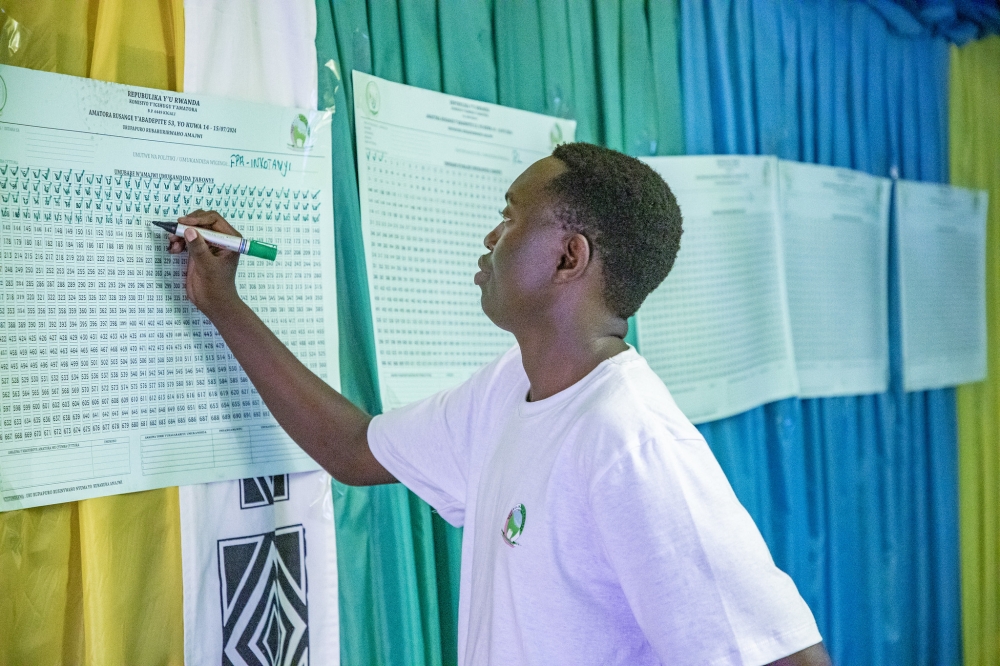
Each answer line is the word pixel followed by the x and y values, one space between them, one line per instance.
pixel 196 245
pixel 175 244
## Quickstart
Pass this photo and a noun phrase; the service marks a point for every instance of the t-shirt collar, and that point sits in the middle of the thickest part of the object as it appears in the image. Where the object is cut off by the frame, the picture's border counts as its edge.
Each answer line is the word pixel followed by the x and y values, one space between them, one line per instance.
pixel 535 408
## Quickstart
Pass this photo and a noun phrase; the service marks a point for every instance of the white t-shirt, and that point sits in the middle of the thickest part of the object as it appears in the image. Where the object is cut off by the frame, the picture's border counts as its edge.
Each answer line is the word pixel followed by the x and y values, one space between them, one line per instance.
pixel 599 528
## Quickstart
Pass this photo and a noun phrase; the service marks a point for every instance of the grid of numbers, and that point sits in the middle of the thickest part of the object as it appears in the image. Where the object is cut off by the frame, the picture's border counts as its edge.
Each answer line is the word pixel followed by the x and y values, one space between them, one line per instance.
pixel 727 318
pixel 97 335
pixel 427 223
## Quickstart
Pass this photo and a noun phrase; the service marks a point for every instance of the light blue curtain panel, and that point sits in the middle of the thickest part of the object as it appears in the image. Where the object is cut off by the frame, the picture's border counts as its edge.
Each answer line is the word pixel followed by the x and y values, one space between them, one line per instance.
pixel 856 496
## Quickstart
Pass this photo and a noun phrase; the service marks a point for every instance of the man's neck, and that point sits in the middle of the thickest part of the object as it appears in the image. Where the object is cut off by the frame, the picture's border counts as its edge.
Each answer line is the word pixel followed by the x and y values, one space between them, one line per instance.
pixel 555 357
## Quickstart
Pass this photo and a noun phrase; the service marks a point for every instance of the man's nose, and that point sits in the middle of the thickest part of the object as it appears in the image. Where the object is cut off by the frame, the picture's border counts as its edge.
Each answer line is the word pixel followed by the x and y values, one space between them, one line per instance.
pixel 491 238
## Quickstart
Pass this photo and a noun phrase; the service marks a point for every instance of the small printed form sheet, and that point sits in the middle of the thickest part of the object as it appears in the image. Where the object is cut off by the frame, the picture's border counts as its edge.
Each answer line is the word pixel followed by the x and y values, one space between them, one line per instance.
pixel 717 330
pixel 111 381
pixel 835 227
pixel 942 283
pixel 433 171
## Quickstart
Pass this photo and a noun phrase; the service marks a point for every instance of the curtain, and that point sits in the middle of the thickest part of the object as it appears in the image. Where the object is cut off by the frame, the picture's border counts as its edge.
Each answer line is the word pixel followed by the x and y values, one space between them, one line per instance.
pixel 140 43
pixel 96 581
pixel 253 50
pixel 856 496
pixel 610 65
pixel 956 20
pixel 975 162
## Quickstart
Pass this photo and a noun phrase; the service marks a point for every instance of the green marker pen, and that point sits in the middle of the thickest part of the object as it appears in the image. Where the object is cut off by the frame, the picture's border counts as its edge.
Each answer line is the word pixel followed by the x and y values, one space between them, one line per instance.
pixel 225 241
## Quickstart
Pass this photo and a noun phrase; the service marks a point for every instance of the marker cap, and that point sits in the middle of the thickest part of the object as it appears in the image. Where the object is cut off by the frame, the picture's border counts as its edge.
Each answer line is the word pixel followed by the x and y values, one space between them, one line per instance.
pixel 262 250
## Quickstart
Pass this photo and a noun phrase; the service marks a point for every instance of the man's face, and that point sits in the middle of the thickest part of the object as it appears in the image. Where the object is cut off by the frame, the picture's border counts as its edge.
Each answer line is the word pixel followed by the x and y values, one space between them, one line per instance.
pixel 525 250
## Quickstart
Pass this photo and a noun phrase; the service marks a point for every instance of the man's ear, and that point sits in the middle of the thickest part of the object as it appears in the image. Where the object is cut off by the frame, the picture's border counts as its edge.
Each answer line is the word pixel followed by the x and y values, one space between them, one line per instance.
pixel 575 258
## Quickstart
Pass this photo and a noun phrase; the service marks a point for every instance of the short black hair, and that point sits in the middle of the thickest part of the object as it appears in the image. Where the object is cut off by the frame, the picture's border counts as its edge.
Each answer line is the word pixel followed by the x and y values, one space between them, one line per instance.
pixel 627 212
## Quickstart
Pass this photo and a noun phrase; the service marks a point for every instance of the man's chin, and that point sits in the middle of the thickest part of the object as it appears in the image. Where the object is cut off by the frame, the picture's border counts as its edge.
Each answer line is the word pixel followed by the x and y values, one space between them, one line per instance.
pixel 490 310
pixel 485 305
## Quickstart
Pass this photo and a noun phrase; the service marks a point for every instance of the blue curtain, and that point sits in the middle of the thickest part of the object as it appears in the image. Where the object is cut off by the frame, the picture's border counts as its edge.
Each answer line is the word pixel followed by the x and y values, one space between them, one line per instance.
pixel 956 20
pixel 856 496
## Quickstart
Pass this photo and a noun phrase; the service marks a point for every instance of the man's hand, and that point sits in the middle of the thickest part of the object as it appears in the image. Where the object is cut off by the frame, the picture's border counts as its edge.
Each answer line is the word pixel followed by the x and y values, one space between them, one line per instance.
pixel 211 271
pixel 811 656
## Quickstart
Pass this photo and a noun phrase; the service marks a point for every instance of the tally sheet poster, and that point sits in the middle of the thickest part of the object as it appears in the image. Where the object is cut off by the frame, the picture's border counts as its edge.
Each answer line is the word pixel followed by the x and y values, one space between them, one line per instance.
pixel 110 380
pixel 835 227
pixel 942 283
pixel 717 330
pixel 433 170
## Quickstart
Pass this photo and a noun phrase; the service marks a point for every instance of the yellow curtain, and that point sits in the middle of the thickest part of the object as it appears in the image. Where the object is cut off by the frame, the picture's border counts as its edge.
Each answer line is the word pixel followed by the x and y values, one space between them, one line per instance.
pixel 96 582
pixel 975 162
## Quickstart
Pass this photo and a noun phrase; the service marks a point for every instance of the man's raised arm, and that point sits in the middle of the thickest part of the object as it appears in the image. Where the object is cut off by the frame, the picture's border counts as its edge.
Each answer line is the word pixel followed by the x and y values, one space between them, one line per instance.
pixel 331 429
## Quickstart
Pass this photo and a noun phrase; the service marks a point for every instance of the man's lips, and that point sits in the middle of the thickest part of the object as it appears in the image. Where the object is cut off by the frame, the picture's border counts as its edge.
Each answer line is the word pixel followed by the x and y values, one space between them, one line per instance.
pixel 483 273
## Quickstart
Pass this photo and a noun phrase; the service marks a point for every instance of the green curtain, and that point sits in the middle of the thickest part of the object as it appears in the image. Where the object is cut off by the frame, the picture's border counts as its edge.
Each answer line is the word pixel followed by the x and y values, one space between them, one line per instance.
pixel 975 162
pixel 609 64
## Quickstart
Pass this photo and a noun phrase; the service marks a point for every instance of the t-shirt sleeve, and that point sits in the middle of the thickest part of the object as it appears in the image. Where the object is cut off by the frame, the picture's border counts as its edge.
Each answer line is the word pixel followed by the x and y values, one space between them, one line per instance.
pixel 694 568
pixel 427 445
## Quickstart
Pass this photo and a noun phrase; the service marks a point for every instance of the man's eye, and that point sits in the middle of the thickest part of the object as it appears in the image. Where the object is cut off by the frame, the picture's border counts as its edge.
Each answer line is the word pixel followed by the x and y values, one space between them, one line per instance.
pixel 503 217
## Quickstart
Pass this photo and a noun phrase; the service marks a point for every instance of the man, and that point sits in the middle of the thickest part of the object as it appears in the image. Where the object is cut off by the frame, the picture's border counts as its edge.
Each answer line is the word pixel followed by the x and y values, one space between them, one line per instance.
pixel 599 528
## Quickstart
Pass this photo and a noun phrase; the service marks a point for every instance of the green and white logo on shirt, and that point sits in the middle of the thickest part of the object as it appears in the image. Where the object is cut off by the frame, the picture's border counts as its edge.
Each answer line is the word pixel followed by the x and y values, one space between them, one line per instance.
pixel 514 525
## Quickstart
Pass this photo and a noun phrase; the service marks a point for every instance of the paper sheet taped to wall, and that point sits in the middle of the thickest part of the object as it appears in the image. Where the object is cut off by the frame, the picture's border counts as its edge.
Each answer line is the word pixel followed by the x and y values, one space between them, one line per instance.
pixel 111 381
pixel 835 230
pixel 433 170
pixel 717 331
pixel 942 283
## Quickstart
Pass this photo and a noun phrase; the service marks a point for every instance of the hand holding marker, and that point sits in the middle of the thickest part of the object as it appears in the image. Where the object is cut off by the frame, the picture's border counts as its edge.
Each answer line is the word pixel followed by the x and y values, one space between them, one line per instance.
pixel 225 241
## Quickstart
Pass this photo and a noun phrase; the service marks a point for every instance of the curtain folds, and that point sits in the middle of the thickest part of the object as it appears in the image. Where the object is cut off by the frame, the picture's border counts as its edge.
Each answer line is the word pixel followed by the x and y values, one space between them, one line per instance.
pixel 975 162
pixel 856 496
pixel 610 65
pixel 957 20
pixel 140 43
pixel 253 50
pixel 96 581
